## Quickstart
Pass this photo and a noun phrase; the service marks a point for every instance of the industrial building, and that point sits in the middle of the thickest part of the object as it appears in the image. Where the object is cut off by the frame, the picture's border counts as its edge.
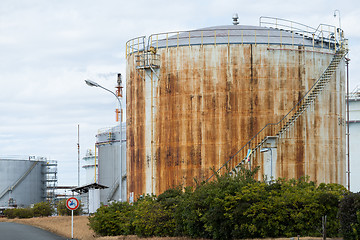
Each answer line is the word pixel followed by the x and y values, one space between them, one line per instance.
pixel 26 180
pixel 271 95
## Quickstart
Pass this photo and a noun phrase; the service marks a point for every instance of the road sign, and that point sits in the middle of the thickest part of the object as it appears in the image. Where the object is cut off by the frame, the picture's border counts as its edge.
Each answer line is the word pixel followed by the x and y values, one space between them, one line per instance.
pixel 72 203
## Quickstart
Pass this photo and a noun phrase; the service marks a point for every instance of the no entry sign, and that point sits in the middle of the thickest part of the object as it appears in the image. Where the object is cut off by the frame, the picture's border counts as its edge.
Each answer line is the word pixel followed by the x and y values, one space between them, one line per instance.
pixel 72 203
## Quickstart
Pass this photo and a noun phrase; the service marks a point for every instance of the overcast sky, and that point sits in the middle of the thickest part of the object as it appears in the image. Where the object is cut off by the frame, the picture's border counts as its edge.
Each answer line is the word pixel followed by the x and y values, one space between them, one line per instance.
pixel 48 48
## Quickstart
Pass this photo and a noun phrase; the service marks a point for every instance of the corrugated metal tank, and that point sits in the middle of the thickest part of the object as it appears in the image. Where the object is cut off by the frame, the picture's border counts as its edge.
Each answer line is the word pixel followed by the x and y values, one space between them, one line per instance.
pixel 108 145
pixel 24 182
pixel 196 98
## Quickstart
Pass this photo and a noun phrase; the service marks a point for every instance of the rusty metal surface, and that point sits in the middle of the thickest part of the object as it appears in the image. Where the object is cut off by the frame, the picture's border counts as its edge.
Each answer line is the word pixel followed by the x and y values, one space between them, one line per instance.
pixel 210 100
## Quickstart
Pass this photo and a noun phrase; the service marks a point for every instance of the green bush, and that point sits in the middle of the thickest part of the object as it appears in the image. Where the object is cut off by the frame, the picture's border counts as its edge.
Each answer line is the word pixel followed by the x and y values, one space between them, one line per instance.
pixel 153 218
pixel 349 215
pixel 19 213
pixel 62 210
pixel 10 213
pixel 296 208
pixel 42 209
pixel 115 219
pixel 24 213
pixel 233 207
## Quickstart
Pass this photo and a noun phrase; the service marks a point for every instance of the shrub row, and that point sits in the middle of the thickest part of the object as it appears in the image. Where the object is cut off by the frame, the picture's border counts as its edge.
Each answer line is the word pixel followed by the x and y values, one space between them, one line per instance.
pixel 41 209
pixel 230 207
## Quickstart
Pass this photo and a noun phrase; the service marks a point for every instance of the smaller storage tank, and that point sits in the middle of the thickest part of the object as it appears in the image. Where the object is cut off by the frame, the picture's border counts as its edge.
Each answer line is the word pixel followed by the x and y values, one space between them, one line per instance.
pixel 110 144
pixel 26 180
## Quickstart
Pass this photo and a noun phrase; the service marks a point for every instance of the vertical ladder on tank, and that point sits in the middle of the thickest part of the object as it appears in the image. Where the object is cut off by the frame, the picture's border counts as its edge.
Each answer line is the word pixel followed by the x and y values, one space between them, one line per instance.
pixel 148 61
pixel 293 115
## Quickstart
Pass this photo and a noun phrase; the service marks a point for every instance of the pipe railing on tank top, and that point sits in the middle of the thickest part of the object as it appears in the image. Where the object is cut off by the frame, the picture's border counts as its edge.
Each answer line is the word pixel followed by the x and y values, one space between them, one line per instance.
pixel 323 33
pixel 325 36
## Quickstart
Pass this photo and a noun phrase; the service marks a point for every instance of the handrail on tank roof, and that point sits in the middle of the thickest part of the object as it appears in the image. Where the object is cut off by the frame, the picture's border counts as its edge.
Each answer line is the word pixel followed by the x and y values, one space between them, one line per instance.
pixel 295 26
pixel 319 37
pixel 131 46
pixel 284 20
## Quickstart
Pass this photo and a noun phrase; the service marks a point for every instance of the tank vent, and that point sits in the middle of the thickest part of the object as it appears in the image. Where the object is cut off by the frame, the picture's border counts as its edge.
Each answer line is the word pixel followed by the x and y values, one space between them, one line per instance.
pixel 235 19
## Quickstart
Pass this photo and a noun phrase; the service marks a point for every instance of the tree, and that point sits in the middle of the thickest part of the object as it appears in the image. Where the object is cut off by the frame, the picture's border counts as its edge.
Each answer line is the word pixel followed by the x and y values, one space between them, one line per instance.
pixel 115 219
pixel 42 209
pixel 349 215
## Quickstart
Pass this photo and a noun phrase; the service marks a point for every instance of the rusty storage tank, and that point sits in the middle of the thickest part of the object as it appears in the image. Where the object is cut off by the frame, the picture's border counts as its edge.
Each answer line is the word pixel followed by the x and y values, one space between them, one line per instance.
pixel 269 96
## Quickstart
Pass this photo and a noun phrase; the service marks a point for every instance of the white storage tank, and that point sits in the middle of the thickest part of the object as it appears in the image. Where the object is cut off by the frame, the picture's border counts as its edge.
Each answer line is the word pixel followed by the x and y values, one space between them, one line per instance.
pixel 26 180
pixel 110 143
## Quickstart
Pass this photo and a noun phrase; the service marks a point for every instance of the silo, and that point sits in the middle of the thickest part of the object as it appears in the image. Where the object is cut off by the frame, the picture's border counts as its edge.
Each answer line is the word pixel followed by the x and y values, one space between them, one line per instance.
pixel 270 96
pixel 26 180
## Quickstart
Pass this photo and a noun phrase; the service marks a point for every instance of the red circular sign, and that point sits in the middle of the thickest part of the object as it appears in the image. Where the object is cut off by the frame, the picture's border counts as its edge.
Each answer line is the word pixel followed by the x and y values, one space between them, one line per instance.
pixel 72 203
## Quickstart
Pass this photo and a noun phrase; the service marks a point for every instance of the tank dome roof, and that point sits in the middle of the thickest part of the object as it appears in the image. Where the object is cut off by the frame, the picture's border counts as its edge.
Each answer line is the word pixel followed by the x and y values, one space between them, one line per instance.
pixel 232 34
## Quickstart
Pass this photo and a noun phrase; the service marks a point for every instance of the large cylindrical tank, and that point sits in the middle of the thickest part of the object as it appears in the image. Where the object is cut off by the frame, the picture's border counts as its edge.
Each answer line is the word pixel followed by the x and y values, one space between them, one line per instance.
pixel 198 99
pixel 26 182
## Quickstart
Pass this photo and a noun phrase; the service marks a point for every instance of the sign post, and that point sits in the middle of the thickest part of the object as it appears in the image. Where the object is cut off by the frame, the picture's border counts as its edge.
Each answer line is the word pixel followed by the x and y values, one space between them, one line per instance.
pixel 72 204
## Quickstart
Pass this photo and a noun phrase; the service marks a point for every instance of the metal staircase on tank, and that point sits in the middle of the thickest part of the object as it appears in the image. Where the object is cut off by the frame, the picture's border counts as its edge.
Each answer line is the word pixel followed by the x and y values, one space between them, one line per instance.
pixel 314 92
pixel 276 130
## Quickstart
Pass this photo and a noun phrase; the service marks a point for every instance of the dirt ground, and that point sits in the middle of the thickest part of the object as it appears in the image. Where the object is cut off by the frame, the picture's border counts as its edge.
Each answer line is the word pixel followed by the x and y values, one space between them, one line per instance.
pixel 61 225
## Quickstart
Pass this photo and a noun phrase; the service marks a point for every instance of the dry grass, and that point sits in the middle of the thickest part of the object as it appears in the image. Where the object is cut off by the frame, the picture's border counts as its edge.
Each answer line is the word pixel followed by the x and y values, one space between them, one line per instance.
pixel 61 225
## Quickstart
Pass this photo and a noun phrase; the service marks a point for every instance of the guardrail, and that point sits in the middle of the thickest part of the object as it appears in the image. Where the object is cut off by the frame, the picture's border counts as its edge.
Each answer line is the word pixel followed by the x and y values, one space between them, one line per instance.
pixel 323 33
pixel 291 33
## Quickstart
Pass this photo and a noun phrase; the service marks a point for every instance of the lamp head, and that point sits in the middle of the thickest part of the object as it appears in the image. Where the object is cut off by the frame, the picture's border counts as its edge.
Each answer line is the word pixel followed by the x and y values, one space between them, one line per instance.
pixel 91 83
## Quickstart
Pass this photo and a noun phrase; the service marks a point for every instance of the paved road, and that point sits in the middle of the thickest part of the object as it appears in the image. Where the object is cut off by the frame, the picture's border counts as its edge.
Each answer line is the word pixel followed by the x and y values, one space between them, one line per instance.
pixel 16 231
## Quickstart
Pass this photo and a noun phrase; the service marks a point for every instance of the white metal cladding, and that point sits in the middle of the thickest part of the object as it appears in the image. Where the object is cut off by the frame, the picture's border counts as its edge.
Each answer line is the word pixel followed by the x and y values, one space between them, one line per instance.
pixel 354 127
pixel 22 180
pixel 108 144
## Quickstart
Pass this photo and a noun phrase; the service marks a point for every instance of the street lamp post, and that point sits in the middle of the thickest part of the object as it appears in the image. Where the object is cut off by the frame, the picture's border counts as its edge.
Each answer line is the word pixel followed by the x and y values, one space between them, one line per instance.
pixel 94 84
